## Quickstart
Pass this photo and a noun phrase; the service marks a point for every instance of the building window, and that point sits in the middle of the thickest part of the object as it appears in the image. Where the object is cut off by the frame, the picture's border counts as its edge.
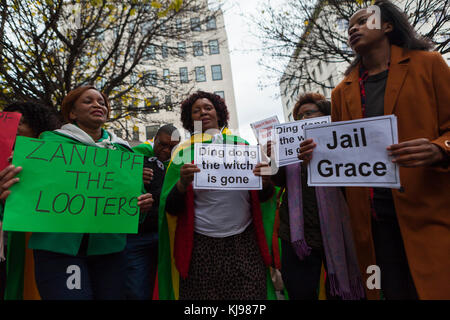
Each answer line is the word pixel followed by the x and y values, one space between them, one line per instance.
pixel 200 74
pixel 213 46
pixel 100 34
pixel 182 49
pixel 211 23
pixel 342 24
pixel 136 133
pixel 132 51
pixel 168 102
pixel 153 78
pixel 154 101
pixel 166 75
pixel 150 131
pixel 220 94
pixel 184 75
pixel 195 24
pixel 179 24
pixel 147 26
pixel 133 77
pixel 164 51
pixel 162 25
pixel 198 48
pixel 149 52
pixel 216 71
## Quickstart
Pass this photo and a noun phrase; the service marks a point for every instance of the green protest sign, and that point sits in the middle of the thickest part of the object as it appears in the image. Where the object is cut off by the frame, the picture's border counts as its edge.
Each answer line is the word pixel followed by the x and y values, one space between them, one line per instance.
pixel 73 188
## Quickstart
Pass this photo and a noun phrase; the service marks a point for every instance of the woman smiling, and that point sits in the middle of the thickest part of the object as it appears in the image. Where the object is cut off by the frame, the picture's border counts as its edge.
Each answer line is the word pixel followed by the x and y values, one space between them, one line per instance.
pixel 99 258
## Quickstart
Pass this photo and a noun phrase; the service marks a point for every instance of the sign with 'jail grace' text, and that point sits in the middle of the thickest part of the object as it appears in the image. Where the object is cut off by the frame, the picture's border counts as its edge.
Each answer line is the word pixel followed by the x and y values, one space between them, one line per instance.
pixel 226 166
pixel 288 137
pixel 354 153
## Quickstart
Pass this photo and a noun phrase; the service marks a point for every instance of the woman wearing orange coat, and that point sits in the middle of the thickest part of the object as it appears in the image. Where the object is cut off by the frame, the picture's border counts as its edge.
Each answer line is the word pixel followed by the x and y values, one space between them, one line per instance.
pixel 405 231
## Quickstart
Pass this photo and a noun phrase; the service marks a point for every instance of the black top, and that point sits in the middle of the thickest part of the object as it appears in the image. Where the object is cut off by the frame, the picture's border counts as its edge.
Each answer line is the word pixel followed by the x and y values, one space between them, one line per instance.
pixel 311 220
pixel 150 223
pixel 375 87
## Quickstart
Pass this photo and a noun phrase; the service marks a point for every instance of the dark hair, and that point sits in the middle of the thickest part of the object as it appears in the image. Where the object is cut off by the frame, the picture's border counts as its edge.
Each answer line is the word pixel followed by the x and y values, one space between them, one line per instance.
pixel 403 33
pixel 168 129
pixel 308 97
pixel 69 101
pixel 324 107
pixel 217 101
pixel 37 116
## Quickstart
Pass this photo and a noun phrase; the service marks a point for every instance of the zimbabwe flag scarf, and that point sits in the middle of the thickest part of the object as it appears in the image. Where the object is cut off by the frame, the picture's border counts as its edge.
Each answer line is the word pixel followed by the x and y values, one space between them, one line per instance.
pixel 176 233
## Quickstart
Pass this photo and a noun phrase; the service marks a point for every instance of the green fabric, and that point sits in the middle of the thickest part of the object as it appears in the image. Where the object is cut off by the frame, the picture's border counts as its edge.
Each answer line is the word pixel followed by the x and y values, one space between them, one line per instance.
pixel 185 154
pixel 104 136
pixel 15 265
pixel 69 243
pixel 268 209
pixel 145 149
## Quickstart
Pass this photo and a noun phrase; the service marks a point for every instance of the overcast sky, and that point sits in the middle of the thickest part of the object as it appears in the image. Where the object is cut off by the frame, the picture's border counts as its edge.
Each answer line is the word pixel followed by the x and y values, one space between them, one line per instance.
pixel 252 103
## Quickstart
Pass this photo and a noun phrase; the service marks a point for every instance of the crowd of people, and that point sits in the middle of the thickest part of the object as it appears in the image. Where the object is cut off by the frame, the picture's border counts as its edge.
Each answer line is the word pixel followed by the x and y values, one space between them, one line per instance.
pixel 197 244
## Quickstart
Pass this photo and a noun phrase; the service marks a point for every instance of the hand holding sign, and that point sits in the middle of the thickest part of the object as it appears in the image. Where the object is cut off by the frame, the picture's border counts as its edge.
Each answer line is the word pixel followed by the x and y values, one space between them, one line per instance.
pixel 7 179
pixel 263 170
pixel 145 201
pixel 415 153
pixel 306 150
pixel 186 176
pixel 147 175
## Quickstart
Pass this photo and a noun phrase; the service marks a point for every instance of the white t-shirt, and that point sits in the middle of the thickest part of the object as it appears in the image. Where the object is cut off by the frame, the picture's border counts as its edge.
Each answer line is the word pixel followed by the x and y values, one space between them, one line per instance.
pixel 220 213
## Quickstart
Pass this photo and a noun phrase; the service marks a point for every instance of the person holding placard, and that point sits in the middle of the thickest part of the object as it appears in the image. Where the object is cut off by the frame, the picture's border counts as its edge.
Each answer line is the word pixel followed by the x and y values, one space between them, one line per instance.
pixel 219 246
pixel 405 232
pixel 97 259
pixel 35 119
pixel 142 248
pixel 314 227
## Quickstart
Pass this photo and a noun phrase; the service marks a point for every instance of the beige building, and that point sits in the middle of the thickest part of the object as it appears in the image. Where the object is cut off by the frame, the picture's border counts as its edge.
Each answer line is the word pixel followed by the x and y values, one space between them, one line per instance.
pixel 200 61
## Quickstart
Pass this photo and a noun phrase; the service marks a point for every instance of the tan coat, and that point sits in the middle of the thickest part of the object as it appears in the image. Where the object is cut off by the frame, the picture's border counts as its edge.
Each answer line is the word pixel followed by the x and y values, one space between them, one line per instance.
pixel 418 93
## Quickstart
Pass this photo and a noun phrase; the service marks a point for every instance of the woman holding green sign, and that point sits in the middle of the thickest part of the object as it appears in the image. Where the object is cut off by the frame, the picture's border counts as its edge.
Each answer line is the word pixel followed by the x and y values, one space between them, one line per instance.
pixel 77 266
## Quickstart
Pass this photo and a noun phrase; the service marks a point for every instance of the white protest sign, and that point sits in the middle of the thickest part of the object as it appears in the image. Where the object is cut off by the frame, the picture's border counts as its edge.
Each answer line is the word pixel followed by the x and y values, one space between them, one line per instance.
pixel 288 138
pixel 263 129
pixel 226 166
pixel 353 153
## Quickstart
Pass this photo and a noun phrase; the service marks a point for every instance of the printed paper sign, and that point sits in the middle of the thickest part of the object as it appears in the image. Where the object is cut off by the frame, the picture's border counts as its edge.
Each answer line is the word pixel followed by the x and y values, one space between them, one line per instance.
pixel 263 129
pixel 353 153
pixel 9 121
pixel 74 188
pixel 288 138
pixel 226 166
